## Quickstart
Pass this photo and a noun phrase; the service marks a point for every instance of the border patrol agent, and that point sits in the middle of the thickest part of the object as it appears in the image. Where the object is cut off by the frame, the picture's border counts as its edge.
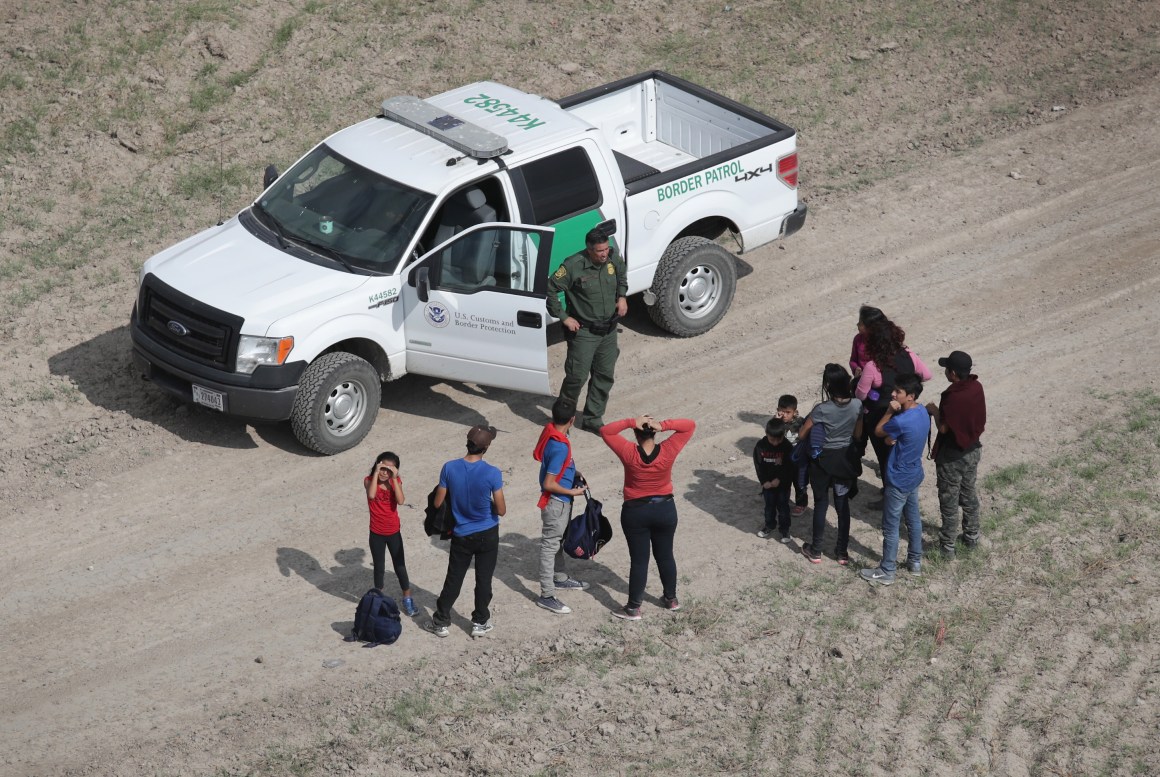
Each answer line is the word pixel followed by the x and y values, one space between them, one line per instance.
pixel 594 283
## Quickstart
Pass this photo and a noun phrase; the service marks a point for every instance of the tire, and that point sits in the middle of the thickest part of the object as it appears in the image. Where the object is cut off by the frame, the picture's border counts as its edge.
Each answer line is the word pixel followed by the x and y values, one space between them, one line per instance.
pixel 694 286
pixel 337 403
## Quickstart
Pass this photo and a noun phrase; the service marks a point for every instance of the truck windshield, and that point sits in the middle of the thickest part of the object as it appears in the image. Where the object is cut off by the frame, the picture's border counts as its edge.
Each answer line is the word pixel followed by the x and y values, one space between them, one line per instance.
pixel 328 202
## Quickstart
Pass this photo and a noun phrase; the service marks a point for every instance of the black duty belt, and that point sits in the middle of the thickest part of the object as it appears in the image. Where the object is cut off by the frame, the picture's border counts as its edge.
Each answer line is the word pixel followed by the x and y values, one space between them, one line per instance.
pixel 599 327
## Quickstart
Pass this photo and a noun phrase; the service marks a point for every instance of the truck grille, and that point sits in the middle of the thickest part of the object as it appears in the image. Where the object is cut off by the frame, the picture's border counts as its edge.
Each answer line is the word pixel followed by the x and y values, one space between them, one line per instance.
pixel 188 327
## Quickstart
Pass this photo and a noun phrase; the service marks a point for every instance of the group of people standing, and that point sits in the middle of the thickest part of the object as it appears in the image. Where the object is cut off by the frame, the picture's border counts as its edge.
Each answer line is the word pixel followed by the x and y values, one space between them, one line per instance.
pixel 877 401
pixel 473 489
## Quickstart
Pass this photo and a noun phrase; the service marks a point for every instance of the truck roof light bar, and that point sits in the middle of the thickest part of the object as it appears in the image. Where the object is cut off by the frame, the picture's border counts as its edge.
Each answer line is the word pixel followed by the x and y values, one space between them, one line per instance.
pixel 461 135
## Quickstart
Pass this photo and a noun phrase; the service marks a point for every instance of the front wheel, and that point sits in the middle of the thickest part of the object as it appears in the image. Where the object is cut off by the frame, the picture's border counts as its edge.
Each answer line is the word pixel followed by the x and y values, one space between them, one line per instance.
pixel 694 286
pixel 337 403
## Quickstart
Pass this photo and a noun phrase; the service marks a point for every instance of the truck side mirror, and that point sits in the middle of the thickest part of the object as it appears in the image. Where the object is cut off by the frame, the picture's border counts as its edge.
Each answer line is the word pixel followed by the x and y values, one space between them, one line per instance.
pixel 423 283
pixel 607 228
pixel 269 176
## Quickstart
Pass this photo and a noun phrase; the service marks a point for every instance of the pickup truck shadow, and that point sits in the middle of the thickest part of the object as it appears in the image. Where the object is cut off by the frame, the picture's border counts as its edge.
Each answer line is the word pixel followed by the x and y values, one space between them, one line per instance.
pixel 102 370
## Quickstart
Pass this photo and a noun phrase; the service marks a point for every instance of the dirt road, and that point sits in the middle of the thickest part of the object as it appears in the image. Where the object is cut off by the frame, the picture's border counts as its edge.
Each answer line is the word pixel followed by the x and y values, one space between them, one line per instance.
pixel 171 608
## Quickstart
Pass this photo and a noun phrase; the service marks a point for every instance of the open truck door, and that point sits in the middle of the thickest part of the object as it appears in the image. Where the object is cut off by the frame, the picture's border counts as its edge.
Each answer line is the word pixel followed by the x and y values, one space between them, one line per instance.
pixel 474 308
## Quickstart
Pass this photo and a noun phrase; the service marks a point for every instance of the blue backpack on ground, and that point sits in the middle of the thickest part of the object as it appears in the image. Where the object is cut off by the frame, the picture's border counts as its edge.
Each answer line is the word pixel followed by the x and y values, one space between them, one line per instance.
pixel 377 619
pixel 587 532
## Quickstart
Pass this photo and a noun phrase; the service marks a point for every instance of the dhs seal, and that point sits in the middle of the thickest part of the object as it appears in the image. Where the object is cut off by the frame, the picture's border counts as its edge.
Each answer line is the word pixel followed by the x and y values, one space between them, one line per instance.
pixel 436 315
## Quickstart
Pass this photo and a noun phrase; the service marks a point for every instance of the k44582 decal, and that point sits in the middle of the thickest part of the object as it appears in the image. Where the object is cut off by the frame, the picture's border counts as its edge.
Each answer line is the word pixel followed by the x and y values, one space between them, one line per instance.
pixel 504 111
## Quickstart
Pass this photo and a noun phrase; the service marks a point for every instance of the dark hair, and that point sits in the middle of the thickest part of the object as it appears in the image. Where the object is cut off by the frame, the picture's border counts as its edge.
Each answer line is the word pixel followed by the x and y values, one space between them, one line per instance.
pixel 595 237
pixel 909 383
pixel 883 341
pixel 386 456
pixel 473 449
pixel 775 427
pixel 868 315
pixel 563 411
pixel 836 382
pixel 787 401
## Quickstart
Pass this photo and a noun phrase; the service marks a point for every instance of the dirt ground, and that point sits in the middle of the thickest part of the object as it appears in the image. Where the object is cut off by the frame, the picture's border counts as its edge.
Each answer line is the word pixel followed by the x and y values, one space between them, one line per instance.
pixel 176 586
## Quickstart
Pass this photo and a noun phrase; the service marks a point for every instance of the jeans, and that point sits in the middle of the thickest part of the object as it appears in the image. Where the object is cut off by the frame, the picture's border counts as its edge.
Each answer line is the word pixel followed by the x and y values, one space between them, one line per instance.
pixel 776 509
pixel 650 524
pixel 899 504
pixel 820 483
pixel 801 483
pixel 956 488
pixel 483 547
pixel 554 516
pixel 394 543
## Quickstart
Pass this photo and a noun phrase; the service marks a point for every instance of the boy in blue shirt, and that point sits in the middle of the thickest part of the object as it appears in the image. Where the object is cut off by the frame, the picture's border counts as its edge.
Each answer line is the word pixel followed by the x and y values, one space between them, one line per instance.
pixel 904 427
pixel 558 484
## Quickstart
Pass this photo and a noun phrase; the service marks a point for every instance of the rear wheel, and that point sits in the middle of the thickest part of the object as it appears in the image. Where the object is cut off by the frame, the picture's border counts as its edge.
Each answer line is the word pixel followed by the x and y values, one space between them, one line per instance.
pixel 337 403
pixel 694 286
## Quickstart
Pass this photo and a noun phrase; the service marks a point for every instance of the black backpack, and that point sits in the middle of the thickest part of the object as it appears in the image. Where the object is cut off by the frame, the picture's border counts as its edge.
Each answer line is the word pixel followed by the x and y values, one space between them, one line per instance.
pixel 587 532
pixel 376 620
pixel 902 365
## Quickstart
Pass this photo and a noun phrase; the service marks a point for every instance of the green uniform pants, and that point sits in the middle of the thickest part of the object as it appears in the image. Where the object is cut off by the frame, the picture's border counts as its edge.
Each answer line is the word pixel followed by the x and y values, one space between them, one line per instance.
pixel 594 355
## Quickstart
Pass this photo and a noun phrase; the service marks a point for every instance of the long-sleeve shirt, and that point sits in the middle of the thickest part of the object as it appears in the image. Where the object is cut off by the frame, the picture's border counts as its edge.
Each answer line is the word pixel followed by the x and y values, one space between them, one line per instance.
pixel 963 409
pixel 772 462
pixel 654 478
pixel 872 376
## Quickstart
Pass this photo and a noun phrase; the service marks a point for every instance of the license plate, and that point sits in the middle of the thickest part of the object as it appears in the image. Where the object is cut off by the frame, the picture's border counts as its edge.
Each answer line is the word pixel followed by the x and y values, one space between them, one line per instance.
pixel 209 398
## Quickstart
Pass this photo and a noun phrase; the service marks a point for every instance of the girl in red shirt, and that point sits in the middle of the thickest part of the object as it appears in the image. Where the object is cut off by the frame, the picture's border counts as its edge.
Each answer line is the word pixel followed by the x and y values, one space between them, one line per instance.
pixel 649 515
pixel 384 495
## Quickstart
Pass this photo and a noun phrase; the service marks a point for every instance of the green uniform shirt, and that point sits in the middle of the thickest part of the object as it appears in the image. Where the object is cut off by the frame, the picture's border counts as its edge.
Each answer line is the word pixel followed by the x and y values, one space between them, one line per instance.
pixel 590 289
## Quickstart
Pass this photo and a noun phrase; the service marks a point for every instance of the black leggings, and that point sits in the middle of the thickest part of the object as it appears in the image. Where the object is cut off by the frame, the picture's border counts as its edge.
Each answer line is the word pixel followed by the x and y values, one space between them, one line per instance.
pixel 394 543
pixel 650 525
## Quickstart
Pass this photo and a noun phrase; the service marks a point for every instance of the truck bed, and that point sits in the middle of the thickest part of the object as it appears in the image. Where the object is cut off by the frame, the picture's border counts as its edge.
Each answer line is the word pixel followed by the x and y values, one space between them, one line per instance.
pixel 659 124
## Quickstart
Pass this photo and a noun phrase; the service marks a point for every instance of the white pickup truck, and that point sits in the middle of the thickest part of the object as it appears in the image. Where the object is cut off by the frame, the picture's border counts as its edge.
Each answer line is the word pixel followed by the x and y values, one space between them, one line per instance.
pixel 421 241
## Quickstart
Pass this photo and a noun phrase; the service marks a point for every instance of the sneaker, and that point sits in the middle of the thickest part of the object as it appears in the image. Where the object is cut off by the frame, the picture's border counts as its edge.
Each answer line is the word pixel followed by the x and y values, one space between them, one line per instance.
pixel 915 568
pixel 968 542
pixel 765 534
pixel 481 629
pixel 948 554
pixel 552 604
pixel 409 607
pixel 671 604
pixel 627 613
pixel 436 629
pixel 798 510
pixel 811 555
pixel 843 558
pixel 783 539
pixel 877 575
pixel 570 585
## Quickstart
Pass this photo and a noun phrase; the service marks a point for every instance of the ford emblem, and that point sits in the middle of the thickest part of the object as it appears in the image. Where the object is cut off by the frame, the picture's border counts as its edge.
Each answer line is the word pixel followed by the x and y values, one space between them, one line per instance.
pixel 178 328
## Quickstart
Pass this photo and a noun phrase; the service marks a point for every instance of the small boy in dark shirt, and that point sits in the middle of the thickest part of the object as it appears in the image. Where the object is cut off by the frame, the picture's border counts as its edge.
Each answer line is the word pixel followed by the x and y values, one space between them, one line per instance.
pixel 787 410
pixel 775 472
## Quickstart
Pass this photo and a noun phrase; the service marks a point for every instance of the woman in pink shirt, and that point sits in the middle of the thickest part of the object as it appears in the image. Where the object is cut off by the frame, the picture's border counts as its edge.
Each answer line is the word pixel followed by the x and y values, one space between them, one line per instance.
pixel 649 515
pixel 889 357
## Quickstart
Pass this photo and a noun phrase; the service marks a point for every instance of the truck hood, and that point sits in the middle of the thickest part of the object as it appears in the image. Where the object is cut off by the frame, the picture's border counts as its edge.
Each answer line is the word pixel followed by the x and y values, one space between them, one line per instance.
pixel 232 270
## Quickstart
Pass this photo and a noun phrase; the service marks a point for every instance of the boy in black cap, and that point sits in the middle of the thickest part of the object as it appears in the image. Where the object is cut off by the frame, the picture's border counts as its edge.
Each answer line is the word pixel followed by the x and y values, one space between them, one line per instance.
pixel 960 415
